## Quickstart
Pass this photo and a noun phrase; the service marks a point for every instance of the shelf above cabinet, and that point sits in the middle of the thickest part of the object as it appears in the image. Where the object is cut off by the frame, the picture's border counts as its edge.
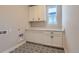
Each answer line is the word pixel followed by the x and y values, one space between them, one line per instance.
pixel 31 5
pixel 35 21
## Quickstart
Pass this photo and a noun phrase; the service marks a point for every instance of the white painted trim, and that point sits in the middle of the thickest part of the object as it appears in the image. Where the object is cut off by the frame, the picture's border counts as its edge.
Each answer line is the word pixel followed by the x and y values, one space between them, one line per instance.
pixel 12 48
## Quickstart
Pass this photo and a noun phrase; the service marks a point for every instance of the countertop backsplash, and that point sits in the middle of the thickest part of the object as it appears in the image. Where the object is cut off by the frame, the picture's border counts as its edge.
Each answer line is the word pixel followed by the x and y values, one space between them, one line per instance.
pixel 43 25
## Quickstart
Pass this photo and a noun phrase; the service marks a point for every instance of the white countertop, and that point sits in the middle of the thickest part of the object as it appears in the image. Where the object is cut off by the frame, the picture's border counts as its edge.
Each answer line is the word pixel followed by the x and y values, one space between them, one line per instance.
pixel 44 29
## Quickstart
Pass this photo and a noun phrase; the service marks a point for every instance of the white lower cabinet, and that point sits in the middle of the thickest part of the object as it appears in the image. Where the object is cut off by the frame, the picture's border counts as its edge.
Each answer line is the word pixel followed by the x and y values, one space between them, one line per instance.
pixel 38 37
pixel 45 37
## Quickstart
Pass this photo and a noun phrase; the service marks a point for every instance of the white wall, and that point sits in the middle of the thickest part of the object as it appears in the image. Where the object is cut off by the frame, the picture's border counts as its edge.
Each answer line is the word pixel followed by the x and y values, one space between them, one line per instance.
pixel 12 18
pixel 59 16
pixel 70 16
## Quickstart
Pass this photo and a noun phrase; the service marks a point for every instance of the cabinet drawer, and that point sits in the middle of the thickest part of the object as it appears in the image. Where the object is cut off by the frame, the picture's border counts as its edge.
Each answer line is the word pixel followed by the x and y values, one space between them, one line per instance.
pixel 58 34
pixel 57 41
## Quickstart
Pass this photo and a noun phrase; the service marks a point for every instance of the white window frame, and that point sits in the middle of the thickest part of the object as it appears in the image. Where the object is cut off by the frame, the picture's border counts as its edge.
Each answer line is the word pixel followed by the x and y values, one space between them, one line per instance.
pixel 49 25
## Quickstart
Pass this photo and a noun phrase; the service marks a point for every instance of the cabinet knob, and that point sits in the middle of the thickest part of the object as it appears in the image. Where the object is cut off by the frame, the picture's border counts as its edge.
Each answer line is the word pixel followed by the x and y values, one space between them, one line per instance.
pixel 52 36
pixel 38 18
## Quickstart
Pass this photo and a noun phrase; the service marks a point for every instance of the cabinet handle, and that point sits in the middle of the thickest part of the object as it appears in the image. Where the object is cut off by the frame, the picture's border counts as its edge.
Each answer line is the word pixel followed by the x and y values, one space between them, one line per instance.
pixel 52 36
pixel 38 18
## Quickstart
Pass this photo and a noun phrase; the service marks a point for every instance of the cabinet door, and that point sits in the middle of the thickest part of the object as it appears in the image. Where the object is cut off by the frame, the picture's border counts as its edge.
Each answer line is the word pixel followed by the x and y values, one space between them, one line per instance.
pixel 38 37
pixel 57 39
pixel 41 10
pixel 31 14
pixel 46 38
pixel 37 13
pixel 32 36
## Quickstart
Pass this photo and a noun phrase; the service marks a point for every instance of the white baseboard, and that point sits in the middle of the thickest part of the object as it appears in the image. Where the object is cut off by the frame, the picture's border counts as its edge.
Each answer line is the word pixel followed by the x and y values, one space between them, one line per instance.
pixel 12 48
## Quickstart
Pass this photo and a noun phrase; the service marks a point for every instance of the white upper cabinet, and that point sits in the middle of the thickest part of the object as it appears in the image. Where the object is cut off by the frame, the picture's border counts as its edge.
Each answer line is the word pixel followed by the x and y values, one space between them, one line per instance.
pixel 37 13
pixel 31 14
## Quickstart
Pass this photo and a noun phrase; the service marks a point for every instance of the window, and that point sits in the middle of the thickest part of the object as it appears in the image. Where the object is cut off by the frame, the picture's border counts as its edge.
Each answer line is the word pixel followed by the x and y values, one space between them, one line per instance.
pixel 52 15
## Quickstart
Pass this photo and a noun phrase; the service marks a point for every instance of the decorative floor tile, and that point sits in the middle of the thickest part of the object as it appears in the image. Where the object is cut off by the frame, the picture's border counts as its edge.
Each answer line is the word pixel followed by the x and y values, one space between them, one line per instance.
pixel 35 48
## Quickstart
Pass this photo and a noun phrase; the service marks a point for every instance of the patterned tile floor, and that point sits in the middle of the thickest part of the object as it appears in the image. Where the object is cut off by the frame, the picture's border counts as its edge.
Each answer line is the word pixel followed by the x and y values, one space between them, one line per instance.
pixel 35 48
